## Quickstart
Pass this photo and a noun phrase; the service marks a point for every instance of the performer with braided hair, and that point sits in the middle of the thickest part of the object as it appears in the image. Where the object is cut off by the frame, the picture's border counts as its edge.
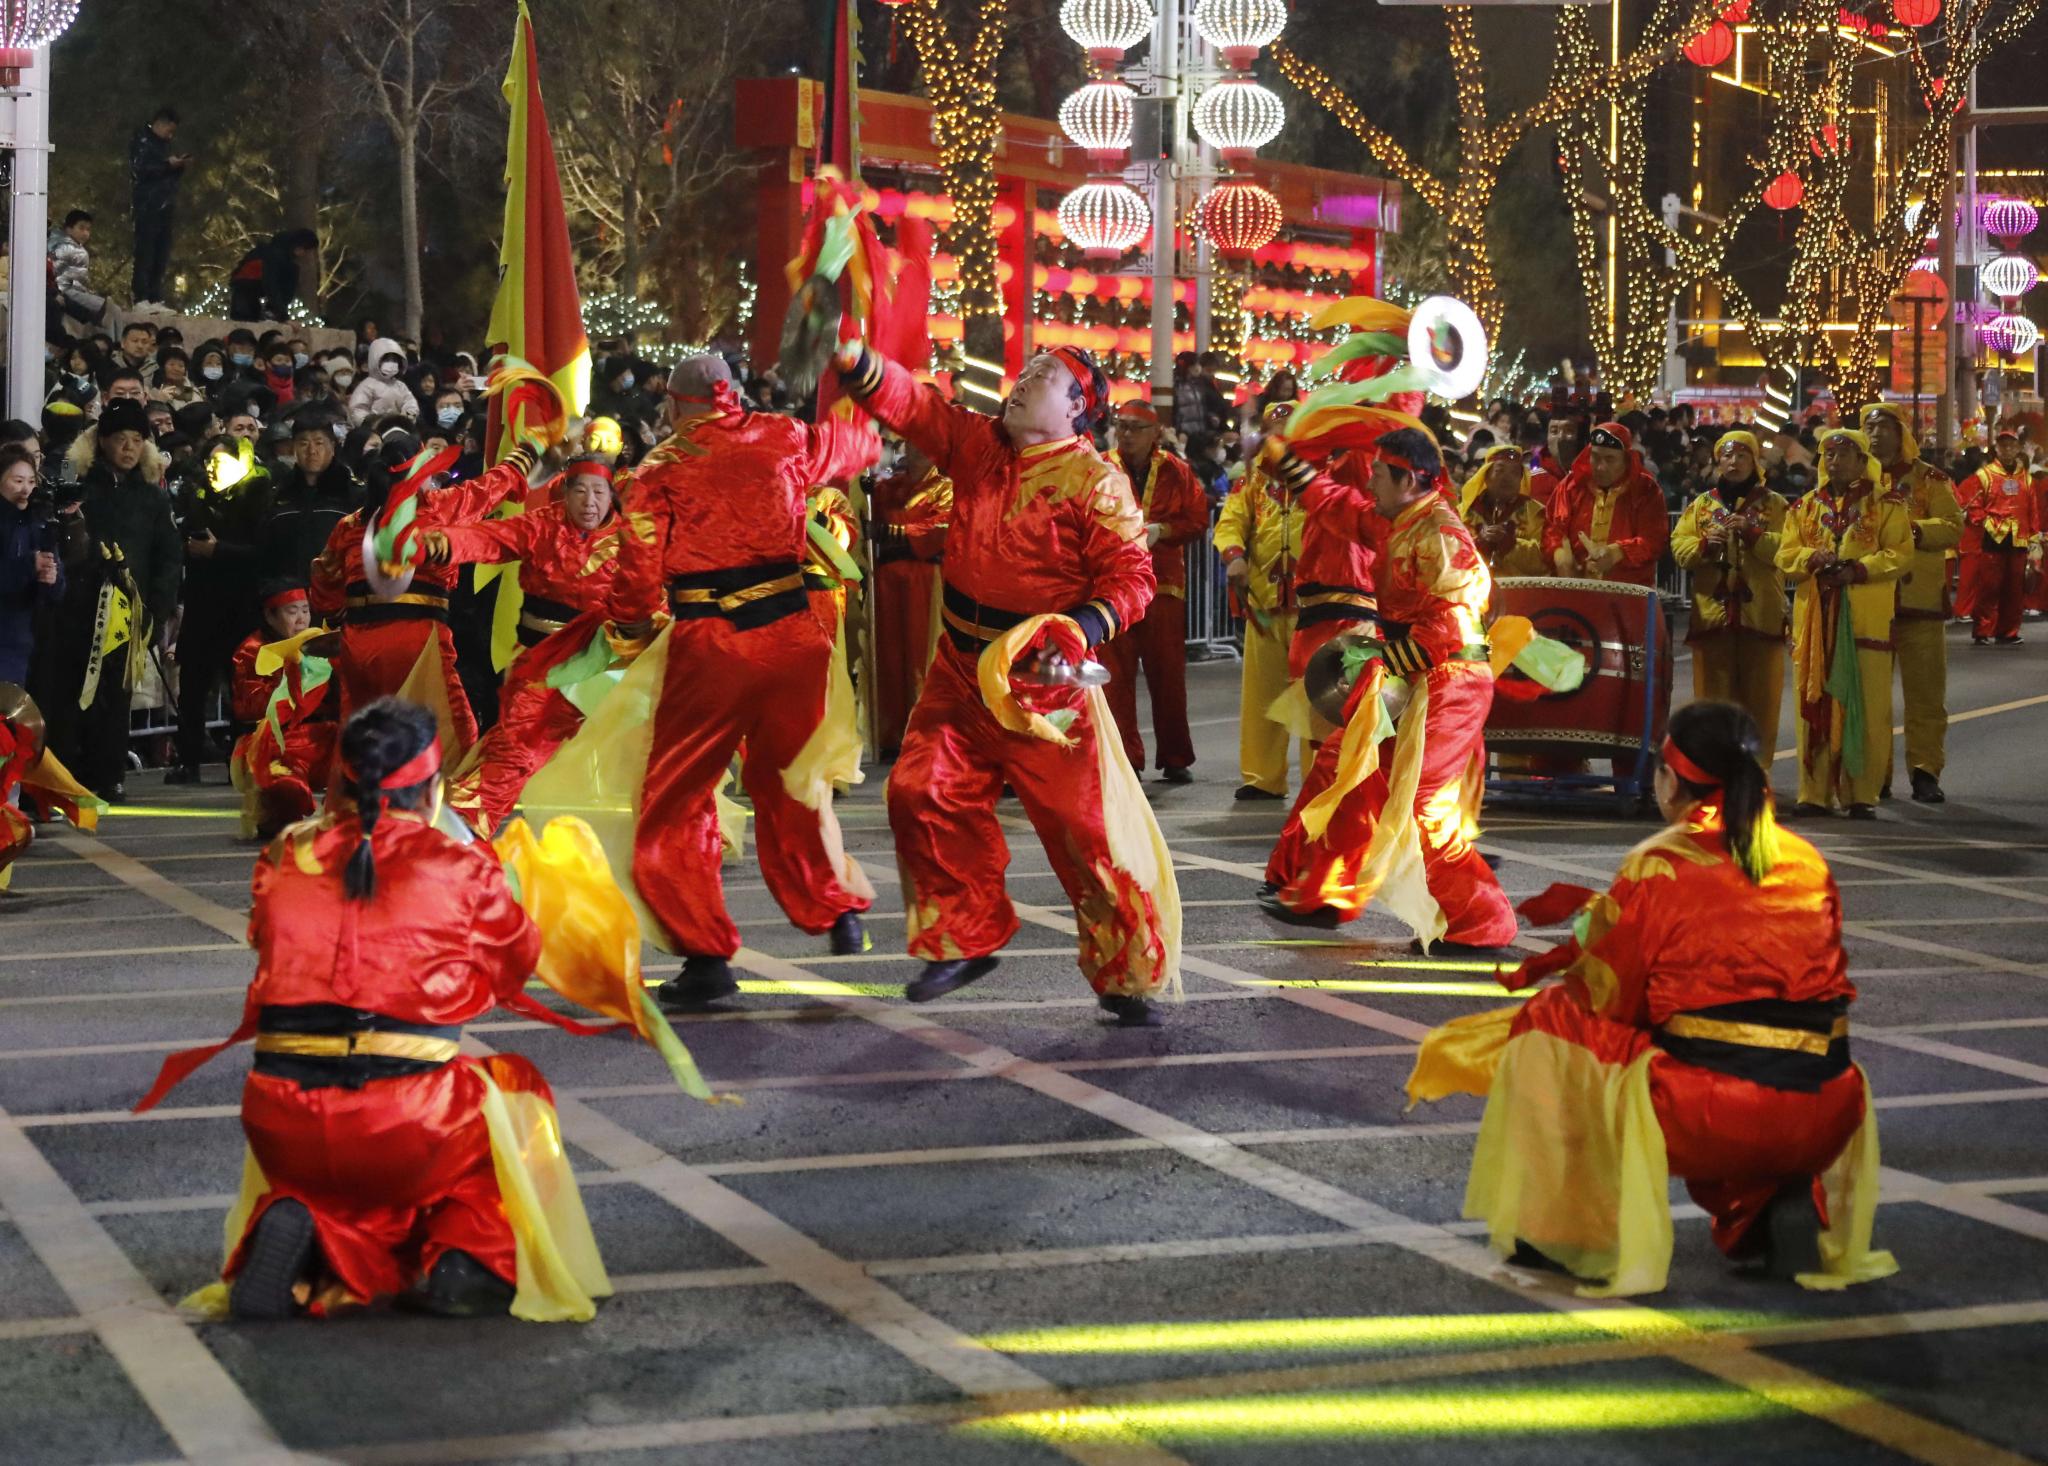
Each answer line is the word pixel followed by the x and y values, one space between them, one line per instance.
pixel 1671 1050
pixel 378 1154
pixel 1046 558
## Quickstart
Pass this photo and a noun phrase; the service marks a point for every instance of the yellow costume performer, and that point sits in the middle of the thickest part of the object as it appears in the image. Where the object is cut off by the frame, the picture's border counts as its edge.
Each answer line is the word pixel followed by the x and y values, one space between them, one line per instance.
pixel 1507 530
pixel 1259 528
pixel 1923 609
pixel 1844 544
pixel 1728 538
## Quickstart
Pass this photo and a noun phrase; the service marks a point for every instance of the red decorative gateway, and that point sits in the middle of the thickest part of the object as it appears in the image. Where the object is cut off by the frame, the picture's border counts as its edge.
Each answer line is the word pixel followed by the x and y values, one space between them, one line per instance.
pixel 1786 191
pixel 1711 46
pixel 1237 217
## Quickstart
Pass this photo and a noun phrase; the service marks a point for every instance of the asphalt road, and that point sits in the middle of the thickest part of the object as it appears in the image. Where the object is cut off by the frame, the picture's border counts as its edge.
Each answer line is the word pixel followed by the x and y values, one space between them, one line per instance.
pixel 994 1230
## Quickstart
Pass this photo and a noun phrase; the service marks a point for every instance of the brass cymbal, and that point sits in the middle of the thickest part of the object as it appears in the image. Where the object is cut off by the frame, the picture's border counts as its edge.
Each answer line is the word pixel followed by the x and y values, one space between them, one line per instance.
pixel 19 709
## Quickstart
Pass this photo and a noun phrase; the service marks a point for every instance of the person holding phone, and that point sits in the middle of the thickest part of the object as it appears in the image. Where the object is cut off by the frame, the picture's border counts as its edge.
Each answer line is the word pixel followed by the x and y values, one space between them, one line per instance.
pixel 155 169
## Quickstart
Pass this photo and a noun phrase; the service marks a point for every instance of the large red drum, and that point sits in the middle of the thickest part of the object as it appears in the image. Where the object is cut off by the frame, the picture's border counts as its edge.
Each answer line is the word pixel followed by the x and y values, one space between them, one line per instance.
pixel 1620 707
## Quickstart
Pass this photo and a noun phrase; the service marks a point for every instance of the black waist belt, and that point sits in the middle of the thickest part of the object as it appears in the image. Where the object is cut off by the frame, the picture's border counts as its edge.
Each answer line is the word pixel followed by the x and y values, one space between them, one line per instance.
pixel 364 609
pixel 1769 1041
pixel 540 618
pixel 1317 604
pixel 327 1046
pixel 746 595
pixel 972 625
pixel 819 580
pixel 888 550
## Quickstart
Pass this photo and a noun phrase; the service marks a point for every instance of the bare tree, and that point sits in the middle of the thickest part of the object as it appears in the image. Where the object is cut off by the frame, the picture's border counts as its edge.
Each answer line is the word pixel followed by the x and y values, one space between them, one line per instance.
pixel 400 49
pixel 640 99
pixel 1463 195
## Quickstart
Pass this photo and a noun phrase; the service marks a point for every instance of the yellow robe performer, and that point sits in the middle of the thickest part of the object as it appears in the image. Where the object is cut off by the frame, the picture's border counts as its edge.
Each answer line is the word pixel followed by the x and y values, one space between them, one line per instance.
pixel 1918 622
pixel 1259 528
pixel 1844 545
pixel 1729 539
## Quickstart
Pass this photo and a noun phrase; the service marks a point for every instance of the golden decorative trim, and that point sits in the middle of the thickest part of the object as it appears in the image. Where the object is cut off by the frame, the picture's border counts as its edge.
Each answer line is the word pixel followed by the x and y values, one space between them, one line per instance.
pixel 702 596
pixel 345 1045
pixel 1756 1035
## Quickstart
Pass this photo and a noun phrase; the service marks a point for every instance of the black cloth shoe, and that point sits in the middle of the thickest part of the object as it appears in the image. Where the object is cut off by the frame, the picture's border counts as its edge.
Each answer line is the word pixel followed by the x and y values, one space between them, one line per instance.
pixel 1248 793
pixel 849 935
pixel 1267 888
pixel 115 793
pixel 1323 918
pixel 1927 788
pixel 1130 1012
pixel 1980 641
pixel 1184 776
pixel 2014 640
pixel 1862 811
pixel 1441 948
pixel 703 980
pixel 460 1287
pixel 1526 1256
pixel 1790 1229
pixel 277 1259
pixel 940 978
pixel 1884 792
pixel 184 774
pixel 1805 810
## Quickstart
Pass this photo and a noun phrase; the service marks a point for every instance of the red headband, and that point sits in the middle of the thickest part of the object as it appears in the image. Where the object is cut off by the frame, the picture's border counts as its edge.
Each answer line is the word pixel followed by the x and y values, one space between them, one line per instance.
pixel 415 771
pixel 591 466
pixel 1676 761
pixel 1073 361
pixel 293 597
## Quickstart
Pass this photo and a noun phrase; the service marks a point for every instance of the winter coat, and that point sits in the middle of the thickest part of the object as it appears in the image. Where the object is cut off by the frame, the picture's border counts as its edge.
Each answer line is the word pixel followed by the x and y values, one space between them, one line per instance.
pixel 150 171
pixel 376 396
pixel 131 511
pixel 302 515
pixel 21 535
pixel 69 261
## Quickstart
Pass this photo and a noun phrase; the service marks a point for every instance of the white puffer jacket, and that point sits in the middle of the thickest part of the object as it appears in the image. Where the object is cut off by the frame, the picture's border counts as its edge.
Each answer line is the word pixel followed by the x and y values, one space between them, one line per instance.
pixel 375 395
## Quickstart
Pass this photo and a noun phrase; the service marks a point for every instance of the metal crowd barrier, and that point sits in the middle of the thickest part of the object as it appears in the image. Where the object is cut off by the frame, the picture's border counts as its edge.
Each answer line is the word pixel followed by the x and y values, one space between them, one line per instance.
pixel 1213 633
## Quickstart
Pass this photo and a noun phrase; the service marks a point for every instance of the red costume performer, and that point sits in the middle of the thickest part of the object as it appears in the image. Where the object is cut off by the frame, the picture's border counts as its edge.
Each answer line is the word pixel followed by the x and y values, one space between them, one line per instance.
pixel 909 508
pixel 1616 530
pixel 1994 505
pixel 2034 533
pixel 1049 528
pixel 1334 579
pixel 565 578
pixel 287 775
pixel 715 534
pixel 1669 1050
pixel 373 1136
pixel 382 641
pixel 1176 511
pixel 1433 590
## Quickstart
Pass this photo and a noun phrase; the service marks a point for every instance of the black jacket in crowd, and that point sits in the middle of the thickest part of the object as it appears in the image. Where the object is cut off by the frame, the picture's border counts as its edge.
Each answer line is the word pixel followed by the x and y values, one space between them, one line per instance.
pixel 128 511
pixel 302 515
pixel 150 170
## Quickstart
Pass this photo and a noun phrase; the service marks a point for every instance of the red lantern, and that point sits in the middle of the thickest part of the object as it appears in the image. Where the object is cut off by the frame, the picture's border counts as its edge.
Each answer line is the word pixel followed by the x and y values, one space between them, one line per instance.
pixel 1916 12
pixel 1829 143
pixel 1785 191
pixel 1236 217
pixel 1711 46
pixel 1736 13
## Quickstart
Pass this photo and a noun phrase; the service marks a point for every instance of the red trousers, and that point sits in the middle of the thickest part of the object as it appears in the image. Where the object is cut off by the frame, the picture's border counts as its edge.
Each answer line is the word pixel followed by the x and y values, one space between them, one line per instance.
pixel 1288 854
pixel 764 689
pixel 395 1173
pixel 1158 644
pixel 1733 1141
pixel 951 852
pixel 533 721
pixel 903 635
pixel 289 780
pixel 376 659
pixel 1321 872
pixel 1995 582
pixel 16 834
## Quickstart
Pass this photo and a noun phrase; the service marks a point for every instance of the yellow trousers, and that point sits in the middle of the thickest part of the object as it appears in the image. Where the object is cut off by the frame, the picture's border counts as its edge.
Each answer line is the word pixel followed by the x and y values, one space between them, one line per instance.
pixel 1923 679
pixel 1822 780
pixel 1748 671
pixel 1261 742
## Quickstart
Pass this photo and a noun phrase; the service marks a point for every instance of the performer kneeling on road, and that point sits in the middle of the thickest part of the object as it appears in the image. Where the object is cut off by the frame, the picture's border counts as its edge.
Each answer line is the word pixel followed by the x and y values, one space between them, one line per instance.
pixel 1045 559
pixel 1701 1030
pixel 381 1161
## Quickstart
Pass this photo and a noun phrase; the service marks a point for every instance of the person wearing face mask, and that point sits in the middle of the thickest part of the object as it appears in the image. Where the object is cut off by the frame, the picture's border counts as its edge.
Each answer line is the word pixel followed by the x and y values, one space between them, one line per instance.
pixel 139 559
pixel 567 552
pixel 210 367
pixel 340 367
pixel 1728 538
pixel 278 375
pixel 1607 520
pixel 242 365
pixel 612 391
pixel 449 410
pixel 1844 545
pixel 380 392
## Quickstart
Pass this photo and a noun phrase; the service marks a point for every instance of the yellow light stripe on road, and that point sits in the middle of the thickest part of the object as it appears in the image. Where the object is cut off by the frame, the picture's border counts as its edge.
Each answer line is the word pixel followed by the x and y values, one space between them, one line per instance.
pixel 169 812
pixel 1367 985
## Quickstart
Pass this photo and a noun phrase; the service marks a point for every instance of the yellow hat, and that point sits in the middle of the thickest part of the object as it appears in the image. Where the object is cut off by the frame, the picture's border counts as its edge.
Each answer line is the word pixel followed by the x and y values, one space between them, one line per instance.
pixel 1476 484
pixel 1872 469
pixel 1897 414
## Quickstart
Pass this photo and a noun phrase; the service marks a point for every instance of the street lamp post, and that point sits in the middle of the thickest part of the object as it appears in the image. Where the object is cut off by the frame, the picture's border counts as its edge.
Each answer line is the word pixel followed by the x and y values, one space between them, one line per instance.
pixel 25 132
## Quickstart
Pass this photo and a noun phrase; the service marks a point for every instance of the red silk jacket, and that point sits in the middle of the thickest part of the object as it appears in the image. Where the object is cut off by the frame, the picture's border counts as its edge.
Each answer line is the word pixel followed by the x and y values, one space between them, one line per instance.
pixel 557 561
pixel 341 564
pixel 1172 498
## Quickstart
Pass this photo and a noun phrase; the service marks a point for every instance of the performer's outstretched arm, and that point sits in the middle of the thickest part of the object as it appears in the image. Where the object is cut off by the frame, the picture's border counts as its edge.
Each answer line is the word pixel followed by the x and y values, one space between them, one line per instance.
pixel 1113 552
pixel 945 432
